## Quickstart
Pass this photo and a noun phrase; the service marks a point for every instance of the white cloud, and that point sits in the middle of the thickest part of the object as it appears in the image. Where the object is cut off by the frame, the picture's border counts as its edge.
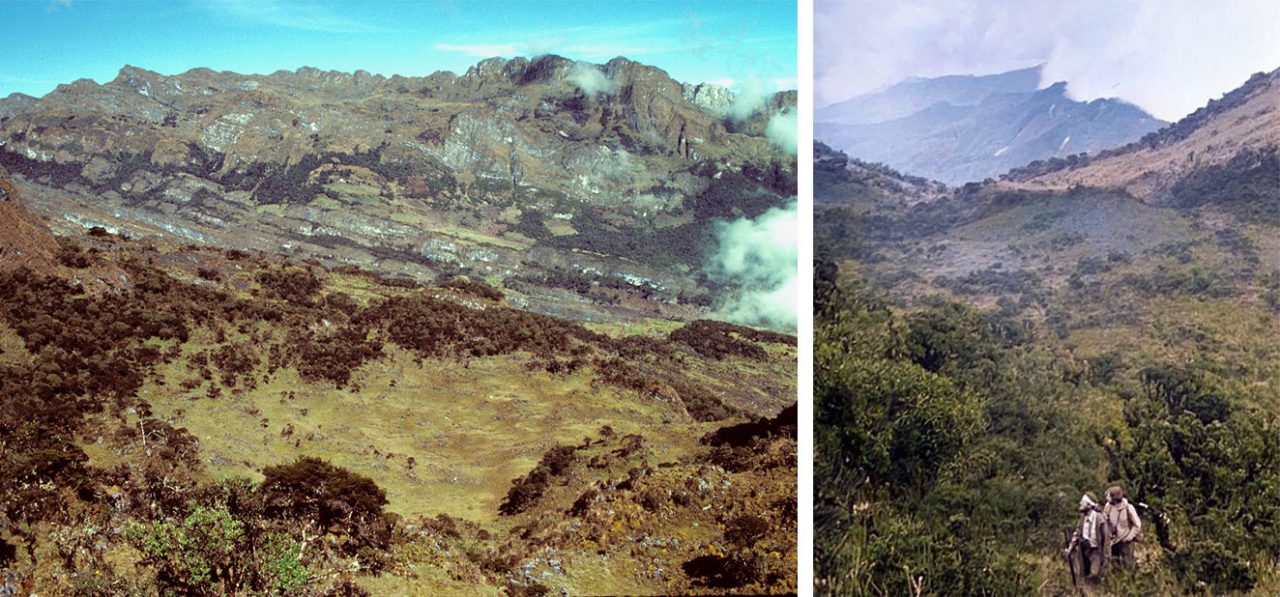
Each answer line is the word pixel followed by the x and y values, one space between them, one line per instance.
pixel 1168 56
pixel 590 80
pixel 760 258
pixel 782 129
pixel 749 96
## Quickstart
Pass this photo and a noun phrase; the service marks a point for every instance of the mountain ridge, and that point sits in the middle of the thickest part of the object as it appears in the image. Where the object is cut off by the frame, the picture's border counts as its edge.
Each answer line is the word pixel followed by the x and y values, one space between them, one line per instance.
pixel 1149 168
pixel 545 172
pixel 916 93
pixel 984 129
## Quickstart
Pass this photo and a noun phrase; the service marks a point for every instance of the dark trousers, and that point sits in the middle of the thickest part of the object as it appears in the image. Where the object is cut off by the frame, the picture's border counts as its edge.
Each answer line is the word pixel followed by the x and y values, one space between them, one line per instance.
pixel 1123 552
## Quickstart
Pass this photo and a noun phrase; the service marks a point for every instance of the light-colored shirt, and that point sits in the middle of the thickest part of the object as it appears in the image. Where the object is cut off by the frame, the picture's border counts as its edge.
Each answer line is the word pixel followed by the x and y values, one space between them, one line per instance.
pixel 1089 528
pixel 1122 521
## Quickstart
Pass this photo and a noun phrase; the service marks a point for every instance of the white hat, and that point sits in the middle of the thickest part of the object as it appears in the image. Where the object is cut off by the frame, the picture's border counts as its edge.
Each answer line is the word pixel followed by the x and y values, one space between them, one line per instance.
pixel 1087 502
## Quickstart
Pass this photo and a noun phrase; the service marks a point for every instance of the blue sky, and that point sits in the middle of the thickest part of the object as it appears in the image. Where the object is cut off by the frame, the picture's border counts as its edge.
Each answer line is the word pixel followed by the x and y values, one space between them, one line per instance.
pixel 48 42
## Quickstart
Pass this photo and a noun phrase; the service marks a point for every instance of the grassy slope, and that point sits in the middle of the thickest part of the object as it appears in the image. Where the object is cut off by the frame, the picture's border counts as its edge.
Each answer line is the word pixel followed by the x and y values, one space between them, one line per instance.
pixel 471 426
pixel 470 429
pixel 1232 333
pixel 1109 314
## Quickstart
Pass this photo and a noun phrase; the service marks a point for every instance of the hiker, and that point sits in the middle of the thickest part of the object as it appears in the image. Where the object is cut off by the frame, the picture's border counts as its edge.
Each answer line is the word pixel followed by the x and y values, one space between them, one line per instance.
pixel 1122 524
pixel 1092 531
pixel 1084 552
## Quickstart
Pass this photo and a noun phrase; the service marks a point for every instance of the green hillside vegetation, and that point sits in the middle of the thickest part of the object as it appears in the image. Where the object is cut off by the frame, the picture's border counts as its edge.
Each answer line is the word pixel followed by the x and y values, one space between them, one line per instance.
pixel 984 359
pixel 218 422
pixel 951 445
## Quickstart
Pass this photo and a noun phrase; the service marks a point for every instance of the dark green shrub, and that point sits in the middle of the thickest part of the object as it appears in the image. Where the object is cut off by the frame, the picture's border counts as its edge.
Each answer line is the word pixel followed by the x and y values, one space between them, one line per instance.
pixel 331 498
pixel 1209 563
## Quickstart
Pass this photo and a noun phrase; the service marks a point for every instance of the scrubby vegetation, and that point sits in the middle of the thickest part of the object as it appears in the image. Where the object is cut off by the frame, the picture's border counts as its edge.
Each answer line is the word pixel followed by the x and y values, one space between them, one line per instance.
pixel 948 447
pixel 984 360
pixel 96 476
pixel 1247 185
pixel 717 340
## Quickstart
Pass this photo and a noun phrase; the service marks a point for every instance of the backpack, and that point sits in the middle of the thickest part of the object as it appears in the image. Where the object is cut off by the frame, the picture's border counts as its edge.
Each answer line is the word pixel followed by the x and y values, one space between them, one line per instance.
pixel 1131 513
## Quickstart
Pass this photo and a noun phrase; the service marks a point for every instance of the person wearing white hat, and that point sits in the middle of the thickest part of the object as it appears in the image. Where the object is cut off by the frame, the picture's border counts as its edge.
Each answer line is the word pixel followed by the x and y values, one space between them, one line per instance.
pixel 1089 538
pixel 1092 529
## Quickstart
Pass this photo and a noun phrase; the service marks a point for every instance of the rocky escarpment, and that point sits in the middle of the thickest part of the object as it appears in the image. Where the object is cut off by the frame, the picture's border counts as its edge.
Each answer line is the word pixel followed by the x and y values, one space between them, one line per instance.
pixel 542 170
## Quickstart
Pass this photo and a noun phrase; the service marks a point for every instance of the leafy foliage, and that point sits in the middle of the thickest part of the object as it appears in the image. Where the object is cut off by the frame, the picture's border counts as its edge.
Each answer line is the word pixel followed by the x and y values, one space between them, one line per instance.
pixel 196 554
pixel 946 438
pixel 1209 474
pixel 330 498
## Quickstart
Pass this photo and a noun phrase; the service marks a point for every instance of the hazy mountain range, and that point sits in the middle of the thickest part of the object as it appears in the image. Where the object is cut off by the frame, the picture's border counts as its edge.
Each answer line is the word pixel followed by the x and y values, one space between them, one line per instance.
pixel 960 129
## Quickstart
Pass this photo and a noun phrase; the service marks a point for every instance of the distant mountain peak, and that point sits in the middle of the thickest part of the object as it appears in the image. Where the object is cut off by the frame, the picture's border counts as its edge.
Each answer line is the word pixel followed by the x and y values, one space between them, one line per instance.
pixel 917 93
pixel 964 128
pixel 1021 78
pixel 129 70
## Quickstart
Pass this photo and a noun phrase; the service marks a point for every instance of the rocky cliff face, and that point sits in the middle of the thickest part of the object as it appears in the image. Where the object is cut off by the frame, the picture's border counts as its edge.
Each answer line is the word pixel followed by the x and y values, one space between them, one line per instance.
pixel 550 171
pixel 964 129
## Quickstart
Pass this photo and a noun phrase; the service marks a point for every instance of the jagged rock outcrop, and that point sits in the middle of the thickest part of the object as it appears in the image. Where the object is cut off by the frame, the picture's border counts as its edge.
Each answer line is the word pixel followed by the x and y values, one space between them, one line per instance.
pixel 594 165
pixel 708 96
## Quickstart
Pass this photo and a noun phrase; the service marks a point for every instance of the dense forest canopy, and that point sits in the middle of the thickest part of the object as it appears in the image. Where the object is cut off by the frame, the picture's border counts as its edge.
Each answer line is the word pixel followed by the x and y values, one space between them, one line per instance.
pixel 986 355
pixel 952 442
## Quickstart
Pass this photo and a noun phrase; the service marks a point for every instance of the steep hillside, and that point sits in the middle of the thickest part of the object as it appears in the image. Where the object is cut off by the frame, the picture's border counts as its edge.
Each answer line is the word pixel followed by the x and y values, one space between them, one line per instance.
pixel 1052 340
pixel 227 421
pixel 984 127
pixel 1239 131
pixel 552 175
pixel 838 176
pixel 23 239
